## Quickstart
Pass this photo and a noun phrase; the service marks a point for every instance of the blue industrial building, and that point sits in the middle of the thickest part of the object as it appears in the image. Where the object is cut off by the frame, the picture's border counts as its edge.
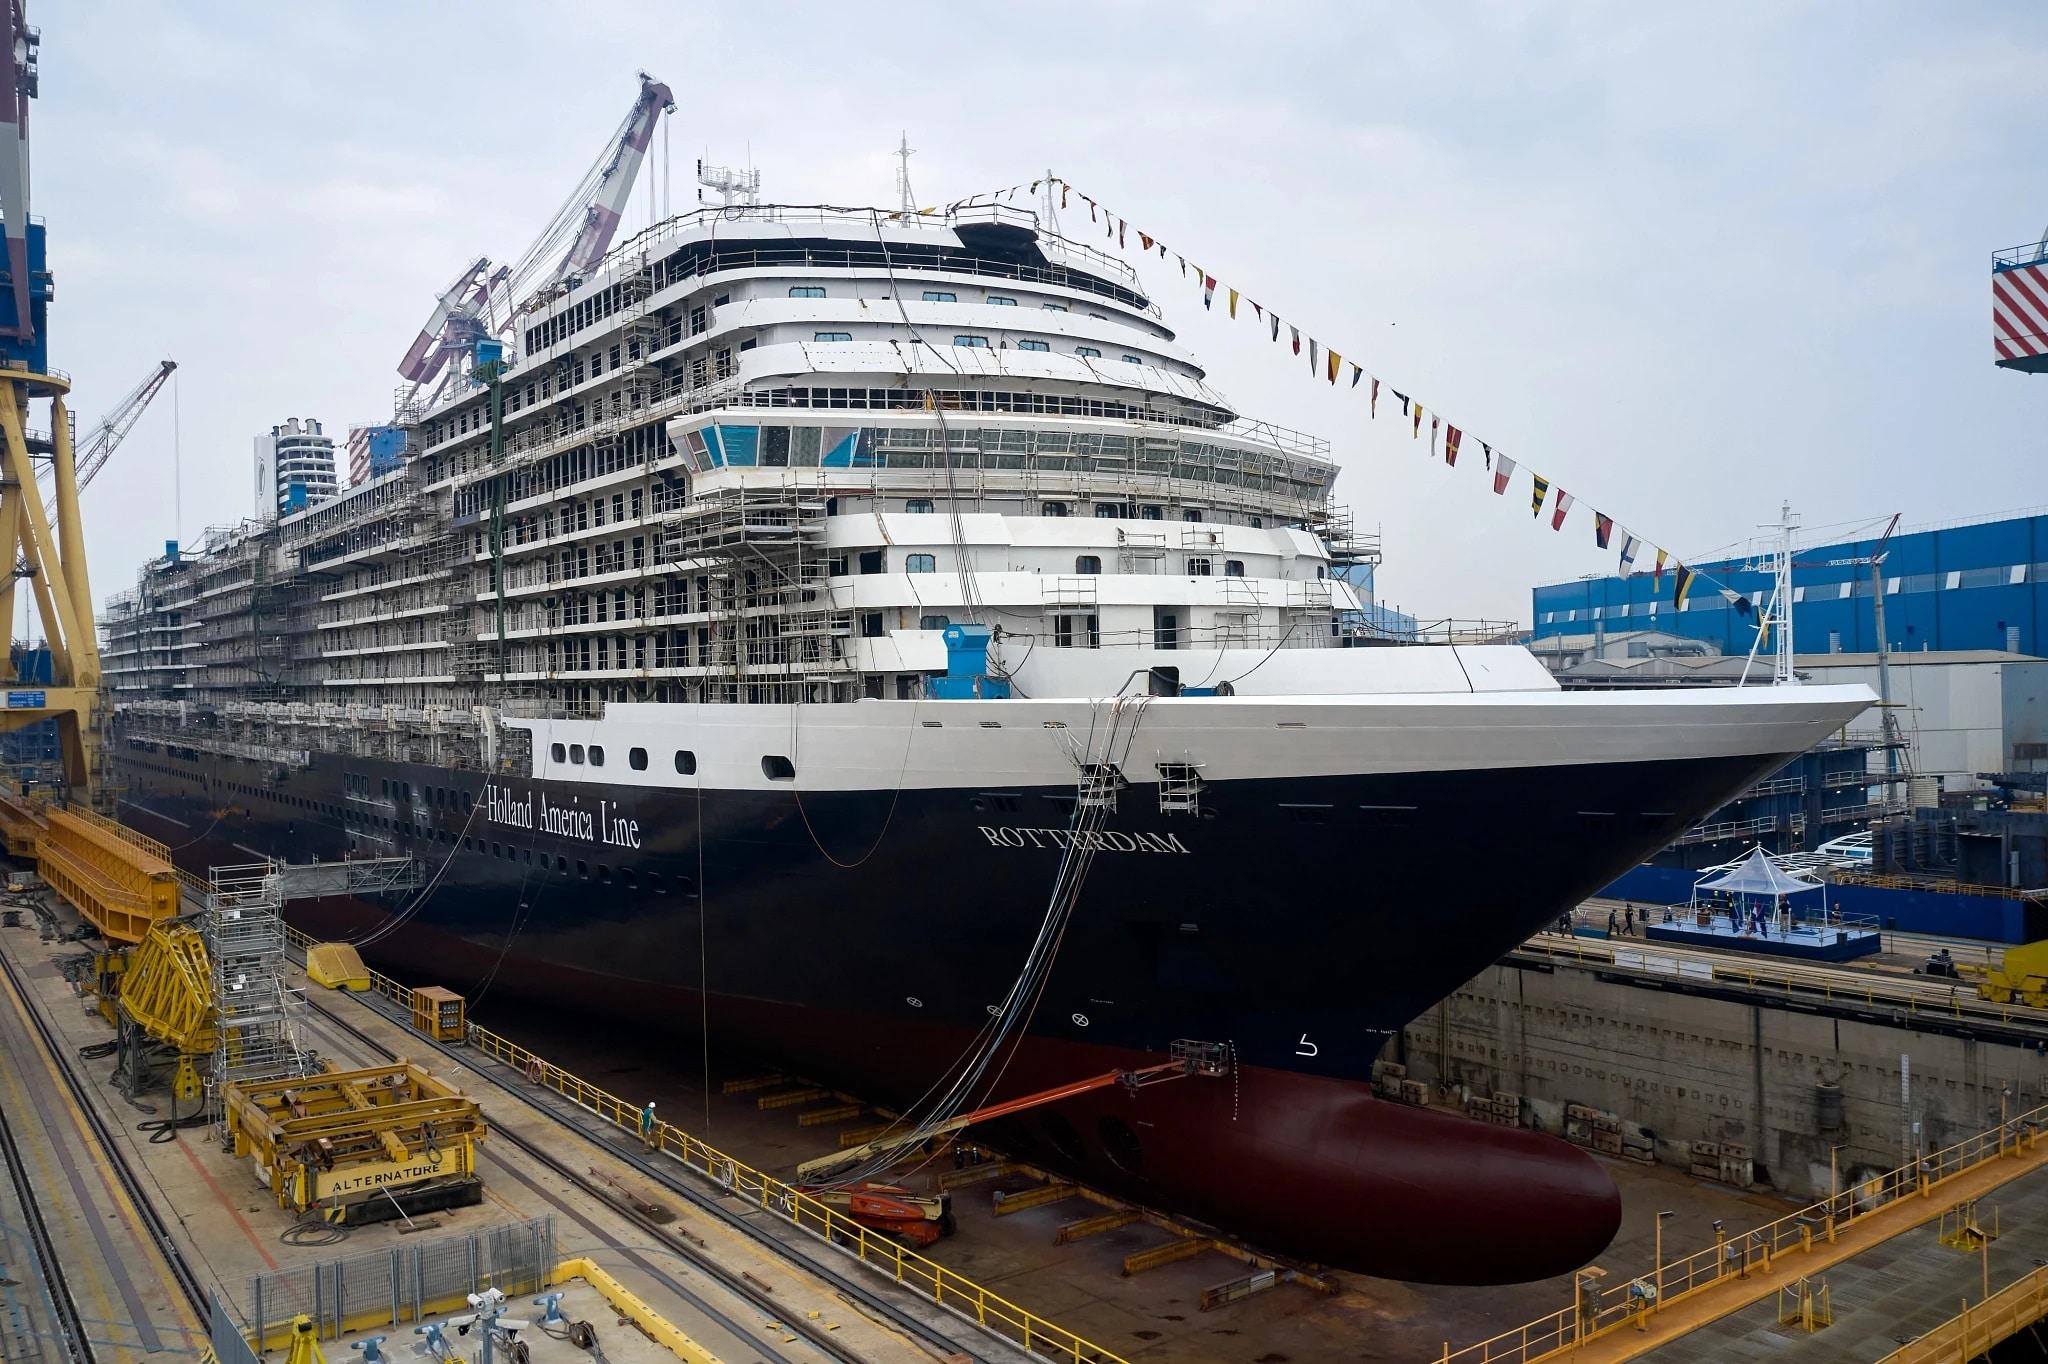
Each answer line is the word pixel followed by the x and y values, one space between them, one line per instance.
pixel 1976 586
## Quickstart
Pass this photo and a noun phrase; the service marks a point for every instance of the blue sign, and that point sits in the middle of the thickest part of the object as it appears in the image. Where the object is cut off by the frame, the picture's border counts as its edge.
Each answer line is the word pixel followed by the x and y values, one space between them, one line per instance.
pixel 26 700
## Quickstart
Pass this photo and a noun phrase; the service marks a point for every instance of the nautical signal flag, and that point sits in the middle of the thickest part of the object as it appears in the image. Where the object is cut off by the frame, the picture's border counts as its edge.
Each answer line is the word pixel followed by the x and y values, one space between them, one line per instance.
pixel 1356 374
pixel 1434 422
pixel 1312 362
pixel 1542 491
pixel 1275 318
pixel 1416 432
pixel 1681 583
pixel 1559 508
pixel 1208 290
pixel 1603 527
pixel 1336 364
pixel 1486 450
pixel 1297 339
pixel 1372 410
pixel 1451 435
pixel 1233 303
pixel 1503 470
pixel 1657 579
pixel 1403 397
pixel 1629 546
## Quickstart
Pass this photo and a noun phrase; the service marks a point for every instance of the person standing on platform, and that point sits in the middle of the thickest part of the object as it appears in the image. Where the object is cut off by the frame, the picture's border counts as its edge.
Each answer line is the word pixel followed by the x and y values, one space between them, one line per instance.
pixel 1613 925
pixel 1628 923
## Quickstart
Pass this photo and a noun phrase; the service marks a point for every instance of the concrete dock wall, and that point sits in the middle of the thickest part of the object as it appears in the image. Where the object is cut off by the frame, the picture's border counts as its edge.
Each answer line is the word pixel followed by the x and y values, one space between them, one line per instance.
pixel 1679 1069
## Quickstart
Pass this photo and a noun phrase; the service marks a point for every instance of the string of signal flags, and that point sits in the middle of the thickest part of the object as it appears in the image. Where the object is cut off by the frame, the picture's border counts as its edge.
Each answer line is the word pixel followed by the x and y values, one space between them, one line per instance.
pixel 1327 363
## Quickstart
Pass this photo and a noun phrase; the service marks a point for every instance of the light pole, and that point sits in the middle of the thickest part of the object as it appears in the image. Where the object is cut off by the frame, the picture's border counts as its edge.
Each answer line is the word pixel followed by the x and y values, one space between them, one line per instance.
pixel 1834 1188
pixel 1657 1275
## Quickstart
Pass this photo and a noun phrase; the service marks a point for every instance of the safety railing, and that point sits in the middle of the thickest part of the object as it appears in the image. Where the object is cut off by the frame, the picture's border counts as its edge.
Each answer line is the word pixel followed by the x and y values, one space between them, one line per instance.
pixel 1914 994
pixel 926 1277
pixel 1971 1333
pixel 1596 1312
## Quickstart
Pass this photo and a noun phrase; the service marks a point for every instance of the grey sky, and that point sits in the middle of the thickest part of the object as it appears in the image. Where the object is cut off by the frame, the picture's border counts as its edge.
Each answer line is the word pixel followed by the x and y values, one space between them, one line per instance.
pixel 1683 259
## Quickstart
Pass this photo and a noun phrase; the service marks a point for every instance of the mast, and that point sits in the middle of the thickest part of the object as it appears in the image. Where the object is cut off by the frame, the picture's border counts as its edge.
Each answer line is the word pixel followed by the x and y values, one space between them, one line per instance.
pixel 904 151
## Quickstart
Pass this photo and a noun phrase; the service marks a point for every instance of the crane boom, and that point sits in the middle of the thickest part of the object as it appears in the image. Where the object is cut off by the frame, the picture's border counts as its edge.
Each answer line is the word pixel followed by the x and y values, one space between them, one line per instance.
pixel 425 357
pixel 106 438
pixel 607 202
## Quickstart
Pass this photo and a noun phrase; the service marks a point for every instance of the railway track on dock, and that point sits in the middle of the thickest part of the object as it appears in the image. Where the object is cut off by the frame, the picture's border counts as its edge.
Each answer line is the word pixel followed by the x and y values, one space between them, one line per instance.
pixel 861 1295
pixel 78 1343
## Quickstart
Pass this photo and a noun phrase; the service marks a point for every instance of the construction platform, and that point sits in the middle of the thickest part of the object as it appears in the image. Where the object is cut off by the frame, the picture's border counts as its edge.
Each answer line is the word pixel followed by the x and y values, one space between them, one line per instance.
pixel 162 1238
pixel 1801 941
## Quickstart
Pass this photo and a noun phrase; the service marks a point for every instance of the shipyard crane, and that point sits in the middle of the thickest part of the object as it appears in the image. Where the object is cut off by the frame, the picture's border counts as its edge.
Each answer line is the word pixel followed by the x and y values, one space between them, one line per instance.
pixel 2019 307
pixel 1888 720
pixel 483 301
pixel 105 438
pixel 49 558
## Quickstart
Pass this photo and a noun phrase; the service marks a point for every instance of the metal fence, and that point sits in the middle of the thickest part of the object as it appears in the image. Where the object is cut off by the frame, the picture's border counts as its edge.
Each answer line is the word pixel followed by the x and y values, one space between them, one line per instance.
pixel 404 1285
pixel 230 1346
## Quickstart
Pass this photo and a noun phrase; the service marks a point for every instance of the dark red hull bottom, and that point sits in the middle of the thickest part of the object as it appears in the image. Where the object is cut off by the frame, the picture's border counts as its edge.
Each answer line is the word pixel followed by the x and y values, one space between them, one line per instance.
pixel 1312 1168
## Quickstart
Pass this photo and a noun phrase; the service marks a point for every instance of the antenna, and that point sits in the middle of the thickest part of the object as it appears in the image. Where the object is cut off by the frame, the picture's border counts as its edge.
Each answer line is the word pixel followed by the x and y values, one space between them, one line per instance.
pixel 904 151
pixel 1052 200
pixel 733 187
pixel 1782 597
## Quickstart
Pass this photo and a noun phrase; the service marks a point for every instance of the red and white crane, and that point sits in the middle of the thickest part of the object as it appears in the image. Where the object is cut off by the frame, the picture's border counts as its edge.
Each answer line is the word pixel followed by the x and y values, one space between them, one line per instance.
pixel 2019 308
pixel 484 302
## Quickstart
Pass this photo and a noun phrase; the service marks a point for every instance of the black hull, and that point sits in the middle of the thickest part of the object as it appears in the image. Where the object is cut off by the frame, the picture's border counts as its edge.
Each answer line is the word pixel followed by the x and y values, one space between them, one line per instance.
pixel 864 936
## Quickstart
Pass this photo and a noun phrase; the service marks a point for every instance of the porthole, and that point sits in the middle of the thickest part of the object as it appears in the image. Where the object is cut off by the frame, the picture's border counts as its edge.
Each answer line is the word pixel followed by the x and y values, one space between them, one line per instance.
pixel 597 755
pixel 558 753
pixel 777 768
pixel 686 762
pixel 575 753
pixel 636 758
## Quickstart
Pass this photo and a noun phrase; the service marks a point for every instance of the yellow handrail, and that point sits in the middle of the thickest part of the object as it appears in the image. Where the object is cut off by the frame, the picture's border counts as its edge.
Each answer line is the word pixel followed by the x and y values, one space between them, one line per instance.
pixel 927 1277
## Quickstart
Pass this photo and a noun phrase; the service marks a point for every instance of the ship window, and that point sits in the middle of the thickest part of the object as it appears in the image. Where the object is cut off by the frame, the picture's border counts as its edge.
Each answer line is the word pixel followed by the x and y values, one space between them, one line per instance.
pixel 656 884
pixel 1088 352
pixel 871 625
pixel 1192 514
pixel 943 296
pixel 831 336
pixel 562 866
pixel 583 869
pixel 918 504
pixel 806 291
pixel 1002 302
pixel 871 561
pixel 1198 567
pixel 597 755
pixel 1029 343
pixel 626 875
pixel 972 342
pixel 1132 360
pixel 686 762
pixel 1149 513
pixel 558 753
pixel 920 563
pixel 777 768
pixel 1233 568
pixel 636 758
pixel 1052 509
pixel 576 753
pixel 1055 307
pixel 933 622
pixel 604 873
pixel 1088 563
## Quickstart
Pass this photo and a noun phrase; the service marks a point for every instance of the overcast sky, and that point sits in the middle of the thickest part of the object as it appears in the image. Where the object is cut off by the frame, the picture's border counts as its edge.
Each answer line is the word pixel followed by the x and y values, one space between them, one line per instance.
pixel 1687 260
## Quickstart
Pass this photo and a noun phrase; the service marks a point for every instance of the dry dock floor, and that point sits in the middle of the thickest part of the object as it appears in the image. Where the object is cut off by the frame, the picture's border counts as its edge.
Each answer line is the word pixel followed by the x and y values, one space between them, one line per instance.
pixel 231 1230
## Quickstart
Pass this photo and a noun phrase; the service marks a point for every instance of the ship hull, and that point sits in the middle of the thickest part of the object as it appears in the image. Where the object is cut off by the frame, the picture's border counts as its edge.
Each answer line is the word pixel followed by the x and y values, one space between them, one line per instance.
pixel 865 936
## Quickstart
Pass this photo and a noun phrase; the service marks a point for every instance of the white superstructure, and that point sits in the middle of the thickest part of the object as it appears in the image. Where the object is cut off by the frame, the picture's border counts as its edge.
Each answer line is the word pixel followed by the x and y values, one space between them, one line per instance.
pixel 294 467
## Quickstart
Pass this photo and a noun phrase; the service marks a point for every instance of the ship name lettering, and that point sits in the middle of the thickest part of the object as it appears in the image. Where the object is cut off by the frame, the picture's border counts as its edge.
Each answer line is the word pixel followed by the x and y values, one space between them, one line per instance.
pixel 617 829
pixel 1109 840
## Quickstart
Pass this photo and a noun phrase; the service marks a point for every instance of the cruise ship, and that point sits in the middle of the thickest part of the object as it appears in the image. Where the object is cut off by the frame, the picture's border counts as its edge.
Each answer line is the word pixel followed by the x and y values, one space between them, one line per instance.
pixel 871 636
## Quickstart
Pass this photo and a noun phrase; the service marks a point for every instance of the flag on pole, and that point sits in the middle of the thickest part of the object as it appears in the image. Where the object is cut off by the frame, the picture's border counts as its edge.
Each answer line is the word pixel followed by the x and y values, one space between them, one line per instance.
pixel 1503 470
pixel 1657 581
pixel 1336 364
pixel 1629 546
pixel 1208 290
pixel 1603 529
pixel 1559 508
pixel 1681 583
pixel 1372 410
pixel 1542 491
pixel 1451 437
pixel 1233 303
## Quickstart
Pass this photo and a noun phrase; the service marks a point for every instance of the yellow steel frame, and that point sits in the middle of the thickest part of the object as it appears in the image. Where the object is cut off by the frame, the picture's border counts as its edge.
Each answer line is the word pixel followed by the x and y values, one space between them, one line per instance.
pixel 52 559
pixel 345 1136
pixel 167 990
pixel 121 881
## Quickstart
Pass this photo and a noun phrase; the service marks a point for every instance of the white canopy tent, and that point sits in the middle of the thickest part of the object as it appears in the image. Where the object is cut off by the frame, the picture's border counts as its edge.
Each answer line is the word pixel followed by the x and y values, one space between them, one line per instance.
pixel 1760 876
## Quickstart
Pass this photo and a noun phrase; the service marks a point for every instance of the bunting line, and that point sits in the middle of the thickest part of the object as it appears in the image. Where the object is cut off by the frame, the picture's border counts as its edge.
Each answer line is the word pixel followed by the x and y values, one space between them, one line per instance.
pixel 1325 361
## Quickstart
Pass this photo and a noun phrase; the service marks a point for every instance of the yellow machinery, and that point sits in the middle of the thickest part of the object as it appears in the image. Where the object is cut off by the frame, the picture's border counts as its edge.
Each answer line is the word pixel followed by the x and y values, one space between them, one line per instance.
pixel 166 990
pixel 2021 979
pixel 438 1013
pixel 122 882
pixel 359 1145
pixel 23 821
pixel 338 966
